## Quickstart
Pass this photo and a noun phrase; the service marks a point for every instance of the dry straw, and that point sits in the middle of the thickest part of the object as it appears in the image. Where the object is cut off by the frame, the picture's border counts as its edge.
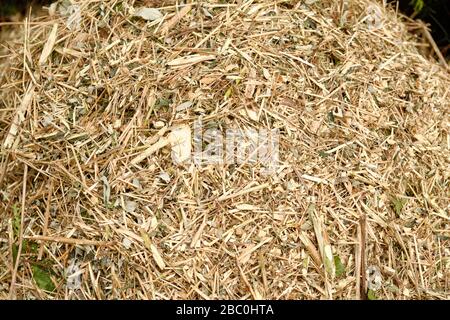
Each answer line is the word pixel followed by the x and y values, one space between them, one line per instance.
pixel 86 173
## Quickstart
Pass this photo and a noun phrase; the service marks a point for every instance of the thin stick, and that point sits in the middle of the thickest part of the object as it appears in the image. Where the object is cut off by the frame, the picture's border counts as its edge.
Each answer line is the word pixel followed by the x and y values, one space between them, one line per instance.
pixel 363 289
pixel 12 289
pixel 242 192
pixel 19 117
pixel 438 52
pixel 174 20
pixel 247 283
pixel 71 240
pixel 162 142
pixel 46 216
pixel 4 169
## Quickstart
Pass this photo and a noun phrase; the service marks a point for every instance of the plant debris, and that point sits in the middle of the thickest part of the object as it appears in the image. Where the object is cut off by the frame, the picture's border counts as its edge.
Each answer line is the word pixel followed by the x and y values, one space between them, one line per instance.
pixel 96 136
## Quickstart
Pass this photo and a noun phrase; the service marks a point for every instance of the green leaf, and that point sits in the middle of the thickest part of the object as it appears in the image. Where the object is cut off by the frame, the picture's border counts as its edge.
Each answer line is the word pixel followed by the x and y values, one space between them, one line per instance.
pixel 398 205
pixel 42 278
pixel 323 154
pixel 162 103
pixel 228 93
pixel 15 251
pixel 27 247
pixel 340 268
pixel 33 247
pixel 371 295
pixel 24 245
pixel 16 220
pixel 417 4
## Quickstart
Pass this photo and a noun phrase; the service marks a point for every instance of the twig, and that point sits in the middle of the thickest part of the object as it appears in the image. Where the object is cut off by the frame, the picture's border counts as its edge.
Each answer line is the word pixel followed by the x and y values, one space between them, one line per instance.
pixel 46 216
pixel 71 241
pixel 5 161
pixel 362 254
pixel 438 52
pixel 12 290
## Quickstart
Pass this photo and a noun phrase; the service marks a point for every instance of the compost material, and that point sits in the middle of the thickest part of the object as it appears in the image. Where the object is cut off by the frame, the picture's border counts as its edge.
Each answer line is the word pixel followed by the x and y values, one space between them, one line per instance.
pixel 97 99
